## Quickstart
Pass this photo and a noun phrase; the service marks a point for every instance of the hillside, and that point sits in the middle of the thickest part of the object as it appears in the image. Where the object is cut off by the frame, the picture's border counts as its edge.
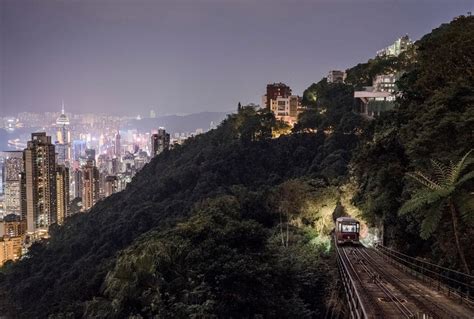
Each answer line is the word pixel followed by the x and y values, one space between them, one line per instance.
pixel 210 175
pixel 235 223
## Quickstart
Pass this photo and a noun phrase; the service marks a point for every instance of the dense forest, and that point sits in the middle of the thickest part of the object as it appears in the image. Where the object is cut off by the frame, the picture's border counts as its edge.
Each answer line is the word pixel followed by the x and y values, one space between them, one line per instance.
pixel 236 222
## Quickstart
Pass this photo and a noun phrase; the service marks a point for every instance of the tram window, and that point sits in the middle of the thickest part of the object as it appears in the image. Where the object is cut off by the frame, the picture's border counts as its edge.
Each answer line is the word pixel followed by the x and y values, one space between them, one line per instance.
pixel 349 228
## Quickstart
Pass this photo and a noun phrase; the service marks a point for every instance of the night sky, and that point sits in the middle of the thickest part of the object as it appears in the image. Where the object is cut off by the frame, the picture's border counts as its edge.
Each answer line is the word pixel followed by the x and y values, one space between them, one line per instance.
pixel 183 56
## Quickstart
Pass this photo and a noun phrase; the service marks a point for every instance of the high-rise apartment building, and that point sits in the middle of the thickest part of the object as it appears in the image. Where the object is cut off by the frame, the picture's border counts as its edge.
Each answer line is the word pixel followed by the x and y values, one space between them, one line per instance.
pixel 77 183
pixel 40 183
pixel 111 185
pixel 274 91
pixel 78 149
pixel 160 142
pixel 10 248
pixel 62 193
pixel 90 192
pixel 13 166
pixel 286 108
pixel 12 226
pixel 279 100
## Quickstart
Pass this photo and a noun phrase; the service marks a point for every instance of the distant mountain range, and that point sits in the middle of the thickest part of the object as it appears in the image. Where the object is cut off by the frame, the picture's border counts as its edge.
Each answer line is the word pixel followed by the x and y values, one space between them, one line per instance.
pixel 178 123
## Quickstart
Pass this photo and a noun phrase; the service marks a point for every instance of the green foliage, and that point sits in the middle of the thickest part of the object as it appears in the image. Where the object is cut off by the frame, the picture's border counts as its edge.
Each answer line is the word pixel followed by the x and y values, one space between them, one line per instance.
pixel 198 232
pixel 214 264
pixel 433 118
pixel 308 121
pixel 438 190
pixel 441 194
pixel 89 252
pixel 363 73
pixel 331 110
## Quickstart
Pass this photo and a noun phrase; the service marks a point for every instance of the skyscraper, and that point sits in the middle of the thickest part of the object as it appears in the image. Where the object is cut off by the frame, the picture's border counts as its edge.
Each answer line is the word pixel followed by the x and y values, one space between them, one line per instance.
pixel 62 193
pixel 90 185
pixel 78 149
pixel 111 185
pixel 118 150
pixel 40 183
pixel 159 142
pixel 12 176
pixel 63 137
pixel 78 183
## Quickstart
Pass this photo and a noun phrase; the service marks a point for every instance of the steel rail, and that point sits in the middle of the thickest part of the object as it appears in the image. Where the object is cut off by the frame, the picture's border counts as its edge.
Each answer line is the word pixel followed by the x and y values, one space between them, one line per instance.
pixel 426 262
pixel 404 310
pixel 427 304
pixel 356 304
pixel 448 281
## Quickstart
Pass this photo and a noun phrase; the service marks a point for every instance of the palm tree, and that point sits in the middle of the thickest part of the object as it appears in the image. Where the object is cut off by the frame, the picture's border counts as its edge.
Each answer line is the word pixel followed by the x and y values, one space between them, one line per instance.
pixel 443 193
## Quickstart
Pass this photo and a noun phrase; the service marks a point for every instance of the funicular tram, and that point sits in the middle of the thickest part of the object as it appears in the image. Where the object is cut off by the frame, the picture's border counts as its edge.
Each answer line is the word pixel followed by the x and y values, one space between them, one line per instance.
pixel 347 230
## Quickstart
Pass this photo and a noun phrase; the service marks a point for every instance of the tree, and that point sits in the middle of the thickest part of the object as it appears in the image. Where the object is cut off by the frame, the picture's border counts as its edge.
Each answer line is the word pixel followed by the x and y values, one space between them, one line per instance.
pixel 443 193
pixel 308 121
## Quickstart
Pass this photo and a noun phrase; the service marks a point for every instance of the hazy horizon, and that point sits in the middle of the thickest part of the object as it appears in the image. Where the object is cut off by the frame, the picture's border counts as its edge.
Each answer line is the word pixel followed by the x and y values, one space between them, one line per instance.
pixel 124 58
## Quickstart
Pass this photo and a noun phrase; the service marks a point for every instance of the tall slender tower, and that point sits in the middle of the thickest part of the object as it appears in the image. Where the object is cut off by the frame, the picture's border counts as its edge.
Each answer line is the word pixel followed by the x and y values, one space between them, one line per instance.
pixel 90 185
pixel 117 144
pixel 62 193
pixel 63 137
pixel 13 168
pixel 40 183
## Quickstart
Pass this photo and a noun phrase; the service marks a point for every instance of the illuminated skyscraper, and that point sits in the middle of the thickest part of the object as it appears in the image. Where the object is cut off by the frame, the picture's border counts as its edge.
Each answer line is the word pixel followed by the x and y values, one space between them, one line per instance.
pixel 63 137
pixel 111 185
pixel 90 179
pixel 159 142
pixel 118 146
pixel 13 166
pixel 78 149
pixel 40 183
pixel 62 193
pixel 78 183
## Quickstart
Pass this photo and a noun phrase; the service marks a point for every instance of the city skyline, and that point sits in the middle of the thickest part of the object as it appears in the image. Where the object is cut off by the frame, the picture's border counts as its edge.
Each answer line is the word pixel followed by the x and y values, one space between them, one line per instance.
pixel 184 57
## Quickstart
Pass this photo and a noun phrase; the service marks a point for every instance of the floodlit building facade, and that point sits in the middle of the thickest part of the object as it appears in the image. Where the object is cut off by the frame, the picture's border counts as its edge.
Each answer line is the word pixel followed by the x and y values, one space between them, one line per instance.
pixel 90 176
pixel 63 138
pixel 13 166
pixel 111 185
pixel 10 248
pixel 12 226
pixel 275 90
pixel 62 193
pixel 40 183
pixel 400 45
pixel 286 108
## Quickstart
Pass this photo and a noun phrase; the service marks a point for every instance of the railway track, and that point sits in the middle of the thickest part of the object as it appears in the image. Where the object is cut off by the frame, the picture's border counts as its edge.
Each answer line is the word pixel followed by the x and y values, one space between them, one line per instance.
pixel 386 292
